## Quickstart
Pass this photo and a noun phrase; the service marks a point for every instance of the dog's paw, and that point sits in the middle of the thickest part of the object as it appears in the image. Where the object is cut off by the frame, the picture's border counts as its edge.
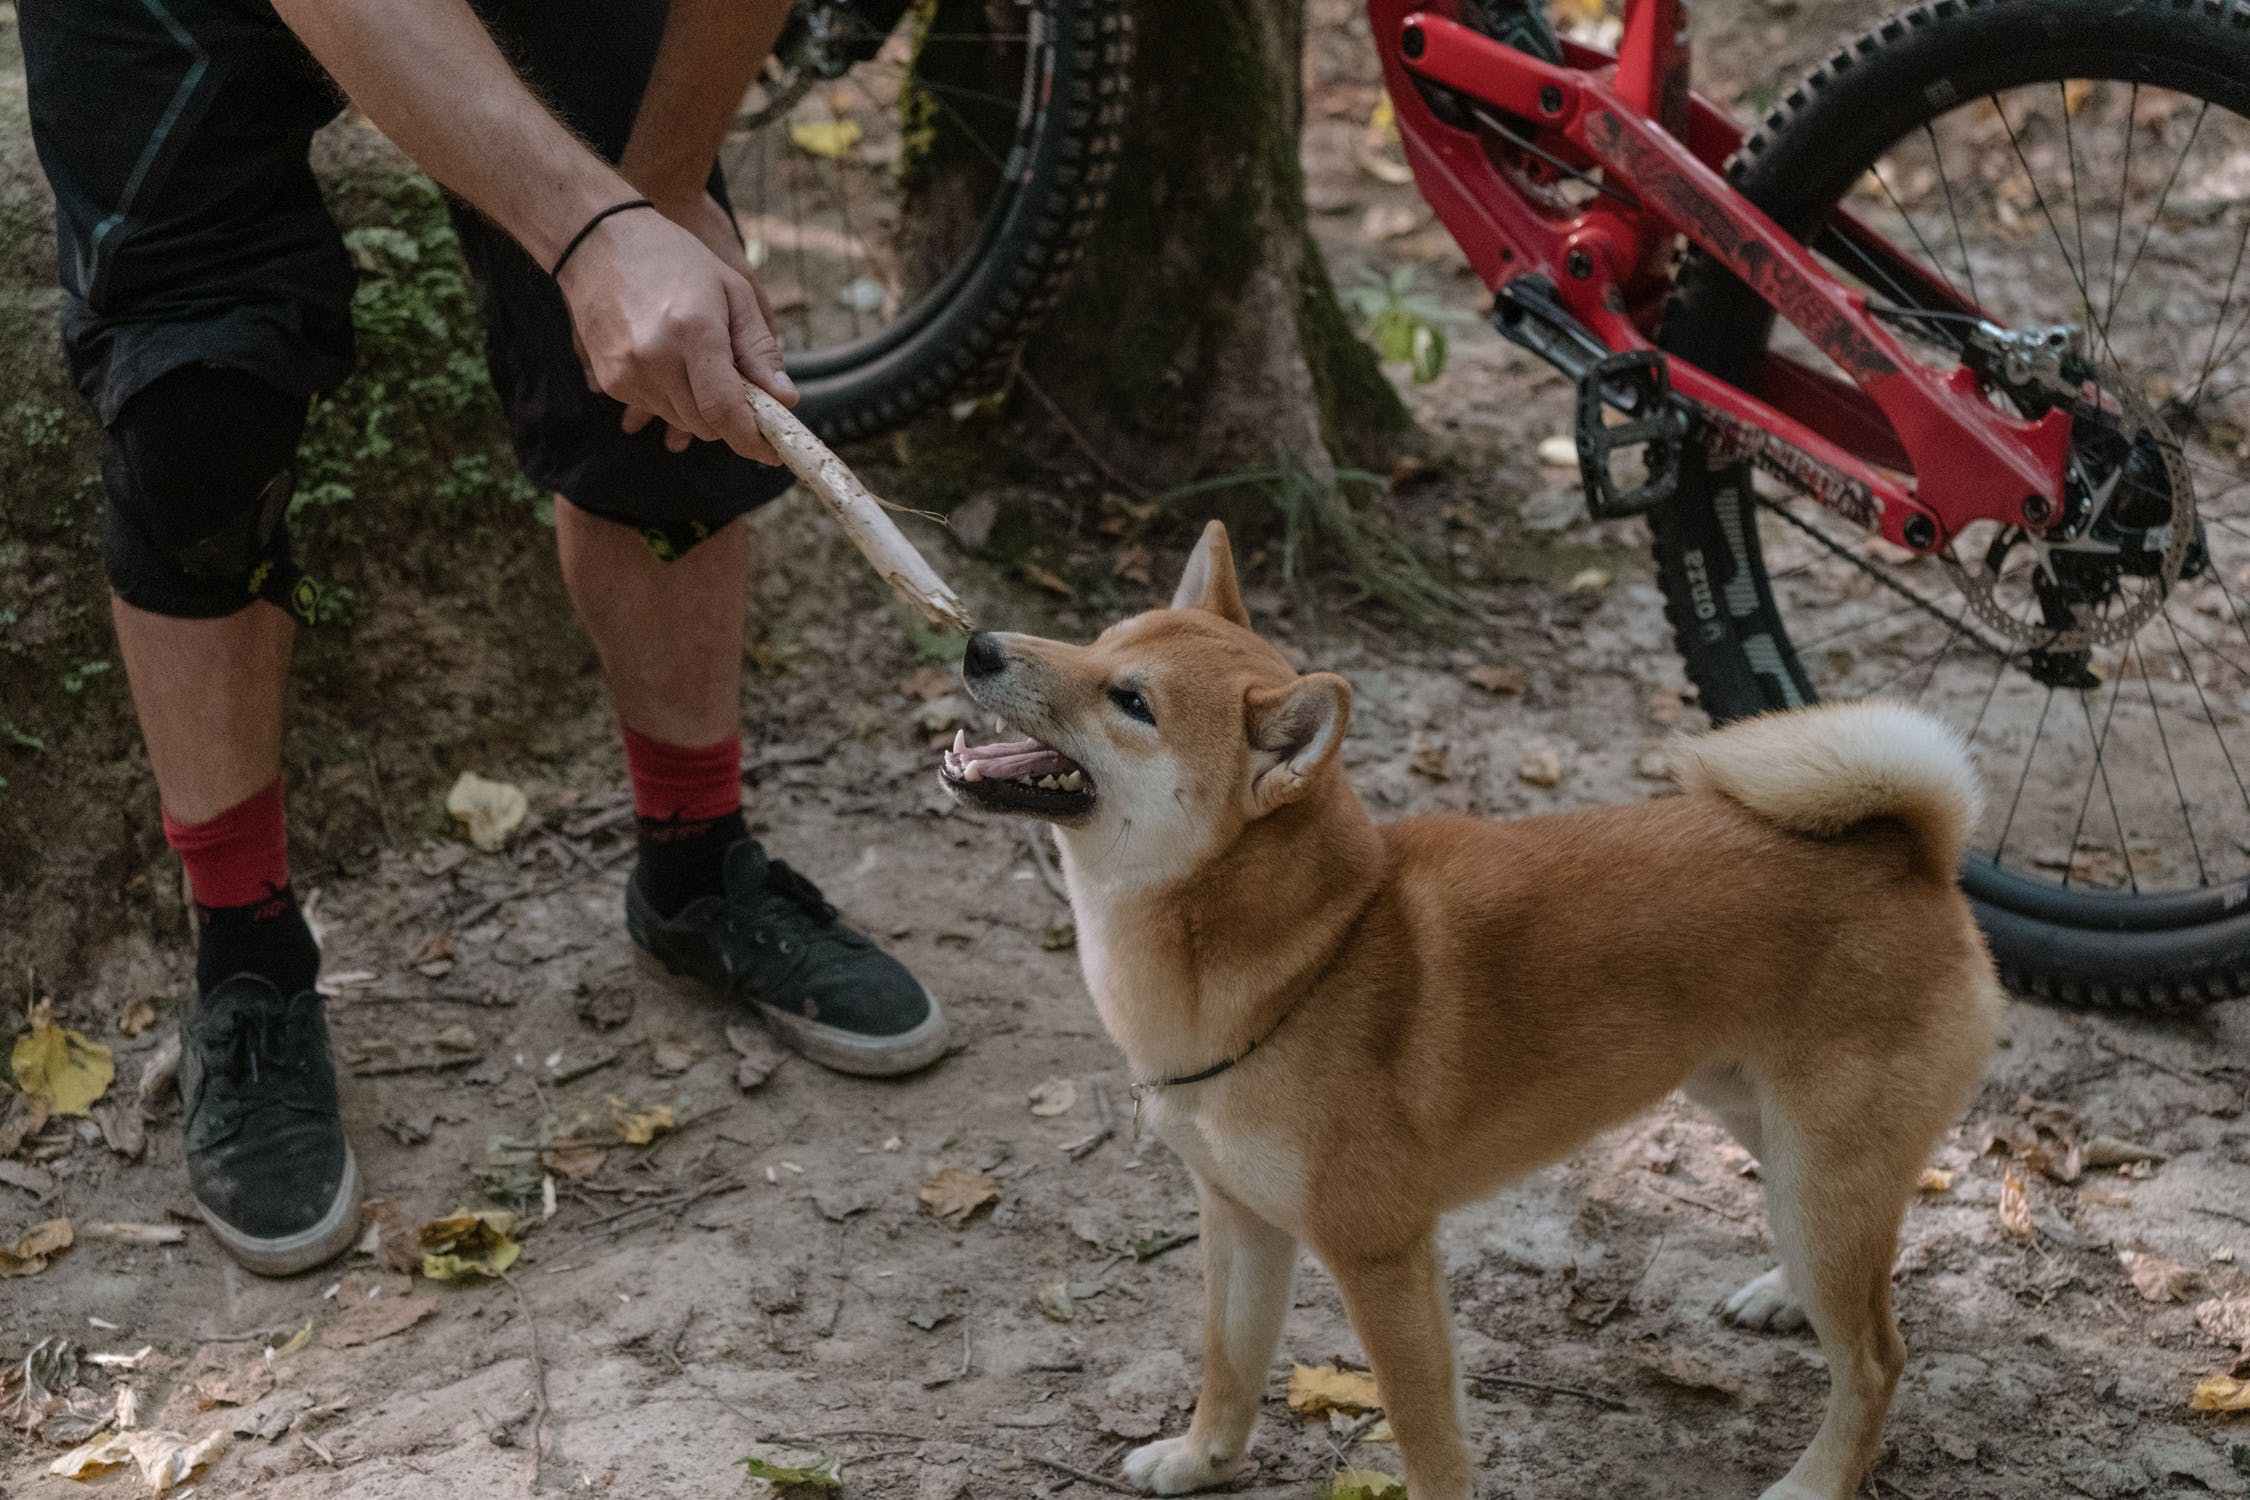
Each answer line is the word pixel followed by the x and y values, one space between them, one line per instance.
pixel 1766 1304
pixel 1172 1466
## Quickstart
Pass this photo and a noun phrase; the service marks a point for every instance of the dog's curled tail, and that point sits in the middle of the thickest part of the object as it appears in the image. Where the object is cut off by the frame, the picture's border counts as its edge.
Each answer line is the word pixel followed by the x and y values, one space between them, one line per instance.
pixel 1822 770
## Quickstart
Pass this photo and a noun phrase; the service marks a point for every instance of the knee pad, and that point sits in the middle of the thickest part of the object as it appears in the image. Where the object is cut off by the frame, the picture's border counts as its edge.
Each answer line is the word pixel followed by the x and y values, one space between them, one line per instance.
pixel 199 468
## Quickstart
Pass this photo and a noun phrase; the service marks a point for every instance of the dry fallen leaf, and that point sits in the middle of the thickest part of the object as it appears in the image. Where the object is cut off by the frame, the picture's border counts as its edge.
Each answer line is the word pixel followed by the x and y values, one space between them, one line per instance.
pixel 637 1127
pixel 2015 1205
pixel 2155 1278
pixel 389 1237
pixel 1505 680
pixel 574 1163
pixel 669 1059
pixel 58 1067
pixel 1049 580
pixel 35 1247
pixel 1936 1180
pixel 756 1056
pixel 1057 1096
pixel 487 810
pixel 825 138
pixel 1559 451
pixel 469 1244
pixel 1314 1389
pixel 2111 1151
pixel 1588 581
pixel 2226 1319
pixel 138 1017
pixel 1056 1302
pixel 1429 757
pixel 953 1195
pixel 1541 766
pixel 165 1458
pixel 378 1319
pixel 1366 1484
pixel 240 1385
pixel 2223 1393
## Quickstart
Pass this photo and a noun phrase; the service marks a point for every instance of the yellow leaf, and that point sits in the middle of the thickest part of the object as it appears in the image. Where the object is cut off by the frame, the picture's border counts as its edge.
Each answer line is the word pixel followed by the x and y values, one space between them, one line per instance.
pixel 1366 1484
pixel 297 1340
pixel 1314 1389
pixel 35 1247
pixel 165 1458
pixel 953 1194
pixel 637 1127
pixel 2221 1393
pixel 469 1244
pixel 829 138
pixel 58 1067
pixel 1936 1180
pixel 1580 12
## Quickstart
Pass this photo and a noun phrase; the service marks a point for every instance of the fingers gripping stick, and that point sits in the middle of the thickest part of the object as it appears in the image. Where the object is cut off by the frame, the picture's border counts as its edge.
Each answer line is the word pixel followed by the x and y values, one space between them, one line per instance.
pixel 881 542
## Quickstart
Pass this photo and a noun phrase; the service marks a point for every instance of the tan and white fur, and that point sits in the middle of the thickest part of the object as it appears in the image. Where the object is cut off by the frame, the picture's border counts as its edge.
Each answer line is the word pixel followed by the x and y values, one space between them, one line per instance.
pixel 1447 1003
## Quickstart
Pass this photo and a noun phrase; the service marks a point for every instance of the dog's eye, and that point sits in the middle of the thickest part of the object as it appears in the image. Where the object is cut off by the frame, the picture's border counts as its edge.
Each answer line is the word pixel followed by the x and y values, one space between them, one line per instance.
pixel 1132 704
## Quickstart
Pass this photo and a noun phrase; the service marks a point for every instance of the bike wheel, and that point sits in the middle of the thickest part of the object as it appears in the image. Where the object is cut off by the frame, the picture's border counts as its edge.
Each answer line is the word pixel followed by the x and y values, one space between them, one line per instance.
pixel 915 180
pixel 2059 161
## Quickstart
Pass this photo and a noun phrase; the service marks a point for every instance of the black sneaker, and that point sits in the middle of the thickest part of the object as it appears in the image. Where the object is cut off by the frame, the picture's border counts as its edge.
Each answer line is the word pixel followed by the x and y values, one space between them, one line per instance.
pixel 267 1161
pixel 773 939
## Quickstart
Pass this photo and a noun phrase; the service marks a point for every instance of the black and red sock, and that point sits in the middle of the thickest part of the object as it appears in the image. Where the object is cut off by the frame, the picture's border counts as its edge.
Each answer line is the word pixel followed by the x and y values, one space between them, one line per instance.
pixel 688 802
pixel 246 916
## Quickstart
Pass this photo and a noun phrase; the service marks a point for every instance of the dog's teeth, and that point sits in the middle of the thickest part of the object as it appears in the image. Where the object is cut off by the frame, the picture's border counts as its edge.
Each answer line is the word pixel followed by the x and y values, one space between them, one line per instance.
pixel 960 742
pixel 1048 782
pixel 1072 782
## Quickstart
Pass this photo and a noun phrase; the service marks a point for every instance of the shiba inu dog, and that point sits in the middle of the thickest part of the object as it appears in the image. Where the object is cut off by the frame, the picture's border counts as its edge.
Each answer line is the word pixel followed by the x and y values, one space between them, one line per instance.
pixel 1346 1028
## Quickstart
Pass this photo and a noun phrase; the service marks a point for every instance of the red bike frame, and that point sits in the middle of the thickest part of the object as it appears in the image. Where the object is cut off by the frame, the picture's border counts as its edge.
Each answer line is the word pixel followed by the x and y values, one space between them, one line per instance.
pixel 1929 453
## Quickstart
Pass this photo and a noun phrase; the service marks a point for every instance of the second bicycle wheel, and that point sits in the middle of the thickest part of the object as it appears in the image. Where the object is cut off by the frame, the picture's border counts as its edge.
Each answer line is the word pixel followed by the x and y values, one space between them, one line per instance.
pixel 914 182
pixel 2080 172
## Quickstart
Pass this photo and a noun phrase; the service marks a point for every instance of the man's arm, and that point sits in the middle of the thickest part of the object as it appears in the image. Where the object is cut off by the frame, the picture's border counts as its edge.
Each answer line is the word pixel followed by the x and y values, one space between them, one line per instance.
pixel 666 327
pixel 711 51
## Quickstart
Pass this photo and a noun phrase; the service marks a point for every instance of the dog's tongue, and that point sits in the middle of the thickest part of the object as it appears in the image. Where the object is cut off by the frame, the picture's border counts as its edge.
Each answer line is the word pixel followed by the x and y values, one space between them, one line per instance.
pixel 1006 760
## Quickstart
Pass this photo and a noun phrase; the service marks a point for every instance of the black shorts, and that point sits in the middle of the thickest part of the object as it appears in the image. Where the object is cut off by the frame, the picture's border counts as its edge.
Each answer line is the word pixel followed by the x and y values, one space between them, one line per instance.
pixel 191 231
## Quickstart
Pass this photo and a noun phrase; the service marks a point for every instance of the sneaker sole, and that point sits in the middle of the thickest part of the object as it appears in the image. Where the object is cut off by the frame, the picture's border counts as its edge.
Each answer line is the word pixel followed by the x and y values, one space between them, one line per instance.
pixel 286 1255
pixel 836 1050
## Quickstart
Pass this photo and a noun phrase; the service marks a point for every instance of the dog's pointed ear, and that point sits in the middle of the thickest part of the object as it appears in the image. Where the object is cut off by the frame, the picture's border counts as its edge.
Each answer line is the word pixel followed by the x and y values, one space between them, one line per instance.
pixel 1209 581
pixel 1295 732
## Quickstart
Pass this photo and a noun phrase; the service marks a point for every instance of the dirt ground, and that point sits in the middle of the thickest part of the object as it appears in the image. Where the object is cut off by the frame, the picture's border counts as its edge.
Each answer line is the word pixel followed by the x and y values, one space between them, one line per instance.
pixel 763 1278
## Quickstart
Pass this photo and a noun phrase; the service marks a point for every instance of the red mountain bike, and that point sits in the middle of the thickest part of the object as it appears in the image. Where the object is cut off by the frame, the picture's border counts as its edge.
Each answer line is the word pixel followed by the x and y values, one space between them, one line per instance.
pixel 1941 397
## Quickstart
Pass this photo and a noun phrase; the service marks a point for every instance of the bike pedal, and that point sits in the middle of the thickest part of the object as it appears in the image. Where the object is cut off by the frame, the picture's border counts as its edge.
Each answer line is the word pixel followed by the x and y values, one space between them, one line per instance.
pixel 1634 386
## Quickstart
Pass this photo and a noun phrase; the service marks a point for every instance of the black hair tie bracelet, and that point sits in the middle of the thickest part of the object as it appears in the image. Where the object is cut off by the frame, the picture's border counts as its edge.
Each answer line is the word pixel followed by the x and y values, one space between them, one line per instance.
pixel 591 225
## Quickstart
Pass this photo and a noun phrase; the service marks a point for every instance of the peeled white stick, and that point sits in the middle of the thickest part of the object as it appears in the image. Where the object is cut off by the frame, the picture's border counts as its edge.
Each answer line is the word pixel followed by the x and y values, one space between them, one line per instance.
pixel 881 542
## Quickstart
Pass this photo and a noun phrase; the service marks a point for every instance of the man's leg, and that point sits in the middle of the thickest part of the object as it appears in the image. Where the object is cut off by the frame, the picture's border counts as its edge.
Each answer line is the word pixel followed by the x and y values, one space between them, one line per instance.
pixel 669 635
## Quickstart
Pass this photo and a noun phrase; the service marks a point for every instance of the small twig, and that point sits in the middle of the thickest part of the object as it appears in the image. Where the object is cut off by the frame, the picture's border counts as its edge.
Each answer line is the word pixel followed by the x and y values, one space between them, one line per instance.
pixel 1083 1476
pixel 2219 1213
pixel 682 1201
pixel 2184 1075
pixel 1078 439
pixel 965 1349
pixel 1104 1126
pixel 1517 1382
pixel 1601 1319
pixel 1706 1206
pixel 382 802
pixel 539 1375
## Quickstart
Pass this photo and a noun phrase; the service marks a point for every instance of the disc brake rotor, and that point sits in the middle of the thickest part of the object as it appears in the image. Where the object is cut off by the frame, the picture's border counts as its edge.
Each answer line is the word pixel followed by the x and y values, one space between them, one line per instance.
pixel 2144 434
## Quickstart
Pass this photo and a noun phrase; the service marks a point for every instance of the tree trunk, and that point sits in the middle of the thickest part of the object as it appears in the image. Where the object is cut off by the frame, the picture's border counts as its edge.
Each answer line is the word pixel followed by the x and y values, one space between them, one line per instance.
pixel 1202 336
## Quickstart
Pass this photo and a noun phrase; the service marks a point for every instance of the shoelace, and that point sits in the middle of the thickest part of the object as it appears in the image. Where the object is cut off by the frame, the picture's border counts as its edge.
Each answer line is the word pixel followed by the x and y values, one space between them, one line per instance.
pixel 785 882
pixel 265 1052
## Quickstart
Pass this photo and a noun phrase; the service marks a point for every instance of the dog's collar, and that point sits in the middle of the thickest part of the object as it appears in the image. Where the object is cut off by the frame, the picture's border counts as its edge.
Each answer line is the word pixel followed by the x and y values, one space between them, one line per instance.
pixel 1142 1090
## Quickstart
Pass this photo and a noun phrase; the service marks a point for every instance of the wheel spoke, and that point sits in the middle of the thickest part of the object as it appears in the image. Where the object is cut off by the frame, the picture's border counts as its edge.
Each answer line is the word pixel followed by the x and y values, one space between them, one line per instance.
pixel 2156 715
pixel 2029 756
pixel 1960 241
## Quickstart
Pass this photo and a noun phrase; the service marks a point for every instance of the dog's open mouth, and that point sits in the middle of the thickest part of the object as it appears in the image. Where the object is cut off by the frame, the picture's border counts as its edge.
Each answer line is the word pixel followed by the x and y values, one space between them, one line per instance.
pixel 1023 776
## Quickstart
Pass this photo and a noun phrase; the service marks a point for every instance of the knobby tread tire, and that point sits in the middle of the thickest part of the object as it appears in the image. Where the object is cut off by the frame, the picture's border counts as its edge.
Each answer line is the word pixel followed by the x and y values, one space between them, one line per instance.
pixel 970 342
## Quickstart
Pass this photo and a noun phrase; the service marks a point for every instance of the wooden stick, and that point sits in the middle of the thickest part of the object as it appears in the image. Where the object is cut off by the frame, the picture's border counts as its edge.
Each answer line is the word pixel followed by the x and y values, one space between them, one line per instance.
pixel 838 488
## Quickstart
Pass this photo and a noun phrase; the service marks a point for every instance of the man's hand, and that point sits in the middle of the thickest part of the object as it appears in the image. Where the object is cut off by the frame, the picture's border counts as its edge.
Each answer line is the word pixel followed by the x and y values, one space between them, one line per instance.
pixel 671 326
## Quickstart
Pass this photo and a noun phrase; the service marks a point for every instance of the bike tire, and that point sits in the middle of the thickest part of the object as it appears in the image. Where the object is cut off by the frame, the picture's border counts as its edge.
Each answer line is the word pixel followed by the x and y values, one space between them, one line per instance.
pixel 966 332
pixel 2079 947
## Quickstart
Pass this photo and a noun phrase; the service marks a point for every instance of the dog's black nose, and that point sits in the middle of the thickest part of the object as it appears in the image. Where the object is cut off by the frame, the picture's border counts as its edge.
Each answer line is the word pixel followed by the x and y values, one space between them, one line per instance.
pixel 984 657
